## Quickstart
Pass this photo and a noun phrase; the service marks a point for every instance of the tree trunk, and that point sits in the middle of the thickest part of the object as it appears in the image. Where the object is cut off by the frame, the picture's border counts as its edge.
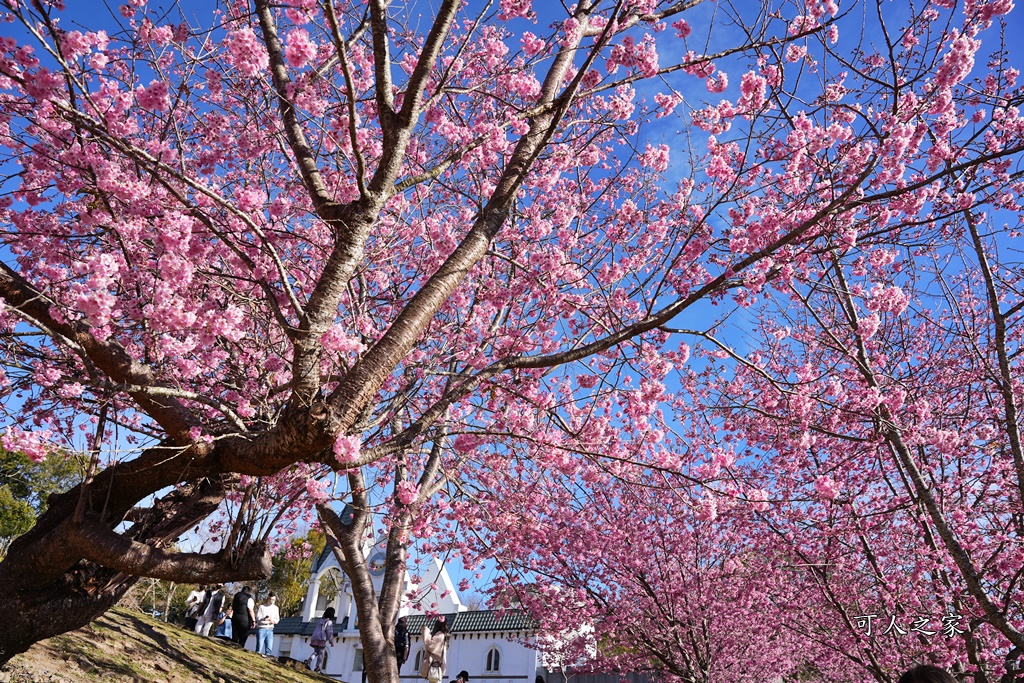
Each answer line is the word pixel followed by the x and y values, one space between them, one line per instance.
pixel 378 651
pixel 376 625
pixel 167 606
pixel 31 615
pixel 47 589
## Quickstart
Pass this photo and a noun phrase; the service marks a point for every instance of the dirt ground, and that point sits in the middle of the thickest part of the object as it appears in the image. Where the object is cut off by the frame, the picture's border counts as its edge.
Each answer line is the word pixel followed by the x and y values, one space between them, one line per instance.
pixel 129 647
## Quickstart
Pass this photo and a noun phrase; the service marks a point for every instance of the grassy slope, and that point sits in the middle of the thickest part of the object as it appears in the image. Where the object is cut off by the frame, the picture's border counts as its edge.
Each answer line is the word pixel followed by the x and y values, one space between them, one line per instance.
pixel 128 647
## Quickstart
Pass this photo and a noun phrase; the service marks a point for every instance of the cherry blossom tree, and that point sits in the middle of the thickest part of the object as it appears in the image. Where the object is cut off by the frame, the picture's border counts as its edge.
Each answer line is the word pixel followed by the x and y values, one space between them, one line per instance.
pixel 643 582
pixel 431 254
pixel 881 402
pixel 887 393
pixel 232 251
pixel 857 408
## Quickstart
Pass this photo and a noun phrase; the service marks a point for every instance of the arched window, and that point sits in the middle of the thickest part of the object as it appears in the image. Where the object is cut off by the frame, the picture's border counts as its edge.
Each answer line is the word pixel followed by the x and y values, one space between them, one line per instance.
pixel 330 586
pixel 419 660
pixel 493 660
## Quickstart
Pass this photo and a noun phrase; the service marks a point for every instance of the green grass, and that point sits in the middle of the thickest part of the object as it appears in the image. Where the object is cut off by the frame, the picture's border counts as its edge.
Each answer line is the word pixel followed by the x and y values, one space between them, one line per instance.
pixel 124 645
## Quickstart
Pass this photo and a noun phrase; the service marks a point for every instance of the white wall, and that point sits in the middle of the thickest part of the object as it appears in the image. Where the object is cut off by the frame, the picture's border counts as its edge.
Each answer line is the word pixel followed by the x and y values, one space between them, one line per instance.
pixel 518 662
pixel 469 651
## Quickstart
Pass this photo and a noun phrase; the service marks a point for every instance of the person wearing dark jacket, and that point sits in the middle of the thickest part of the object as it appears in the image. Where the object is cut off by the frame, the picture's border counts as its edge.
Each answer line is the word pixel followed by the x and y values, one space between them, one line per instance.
pixel 401 642
pixel 243 615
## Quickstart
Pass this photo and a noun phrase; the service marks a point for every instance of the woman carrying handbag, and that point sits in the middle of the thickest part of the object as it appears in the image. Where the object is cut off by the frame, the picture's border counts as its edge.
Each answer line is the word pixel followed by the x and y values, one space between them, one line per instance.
pixel 435 652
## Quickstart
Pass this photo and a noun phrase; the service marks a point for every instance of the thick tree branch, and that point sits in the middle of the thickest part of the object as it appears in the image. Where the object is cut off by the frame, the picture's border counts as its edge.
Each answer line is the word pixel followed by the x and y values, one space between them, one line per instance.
pixel 398 129
pixel 96 542
pixel 366 377
pixel 424 65
pixel 383 82
pixel 435 171
pixel 304 156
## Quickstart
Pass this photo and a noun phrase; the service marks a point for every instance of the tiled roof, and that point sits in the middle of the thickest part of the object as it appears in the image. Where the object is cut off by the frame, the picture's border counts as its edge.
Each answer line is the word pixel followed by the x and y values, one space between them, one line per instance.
pixel 475 622
pixel 483 621
pixel 294 626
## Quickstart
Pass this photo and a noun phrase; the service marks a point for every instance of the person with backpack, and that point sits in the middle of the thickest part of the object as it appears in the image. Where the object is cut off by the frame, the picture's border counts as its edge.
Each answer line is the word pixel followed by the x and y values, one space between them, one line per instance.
pixel 435 651
pixel 243 615
pixel 323 635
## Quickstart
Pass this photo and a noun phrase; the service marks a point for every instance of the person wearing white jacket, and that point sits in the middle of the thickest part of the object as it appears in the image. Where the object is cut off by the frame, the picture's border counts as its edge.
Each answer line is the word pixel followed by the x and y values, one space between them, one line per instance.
pixel 435 652
pixel 266 617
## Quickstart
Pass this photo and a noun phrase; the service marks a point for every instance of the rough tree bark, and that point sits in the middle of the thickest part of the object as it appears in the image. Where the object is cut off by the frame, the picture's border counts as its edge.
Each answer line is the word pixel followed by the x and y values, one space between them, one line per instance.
pixel 378 613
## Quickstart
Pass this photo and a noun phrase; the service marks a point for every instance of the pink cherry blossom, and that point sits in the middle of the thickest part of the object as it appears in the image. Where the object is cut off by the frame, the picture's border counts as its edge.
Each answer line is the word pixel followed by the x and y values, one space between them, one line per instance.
pixel 75 44
pixel 34 444
pixel 347 448
pixel 794 52
pixel 299 49
pixel 407 492
pixel 668 103
pixel 826 487
pixel 511 9
pixel 719 83
pixel 245 52
pixel 655 158
pixel 532 45
pixel 641 57
pixel 155 97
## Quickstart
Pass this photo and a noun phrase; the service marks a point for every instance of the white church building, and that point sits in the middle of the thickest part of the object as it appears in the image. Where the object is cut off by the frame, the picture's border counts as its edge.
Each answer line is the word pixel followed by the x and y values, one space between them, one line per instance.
pixel 491 648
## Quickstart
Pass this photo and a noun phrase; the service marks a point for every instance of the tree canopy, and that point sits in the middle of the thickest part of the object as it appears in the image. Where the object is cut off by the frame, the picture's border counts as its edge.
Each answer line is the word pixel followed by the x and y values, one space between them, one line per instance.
pixel 521 279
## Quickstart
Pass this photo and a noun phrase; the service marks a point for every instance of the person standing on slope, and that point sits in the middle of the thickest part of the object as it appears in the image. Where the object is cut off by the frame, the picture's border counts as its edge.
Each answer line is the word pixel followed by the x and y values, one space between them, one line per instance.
pixel 209 610
pixel 267 617
pixel 192 603
pixel 243 615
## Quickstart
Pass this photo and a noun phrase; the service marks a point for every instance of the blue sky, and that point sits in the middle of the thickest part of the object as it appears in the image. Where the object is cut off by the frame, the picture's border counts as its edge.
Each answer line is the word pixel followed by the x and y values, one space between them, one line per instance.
pixel 92 14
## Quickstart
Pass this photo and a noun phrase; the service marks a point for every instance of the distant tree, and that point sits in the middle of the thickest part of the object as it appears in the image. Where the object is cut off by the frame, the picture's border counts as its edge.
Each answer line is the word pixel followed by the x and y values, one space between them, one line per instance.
pixel 290 576
pixel 475 601
pixel 16 517
pixel 26 486
pixel 160 598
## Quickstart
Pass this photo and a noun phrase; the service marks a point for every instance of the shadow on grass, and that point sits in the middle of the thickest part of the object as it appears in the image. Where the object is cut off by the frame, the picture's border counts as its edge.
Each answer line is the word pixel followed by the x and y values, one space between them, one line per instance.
pixel 148 637
pixel 126 644
pixel 209 658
